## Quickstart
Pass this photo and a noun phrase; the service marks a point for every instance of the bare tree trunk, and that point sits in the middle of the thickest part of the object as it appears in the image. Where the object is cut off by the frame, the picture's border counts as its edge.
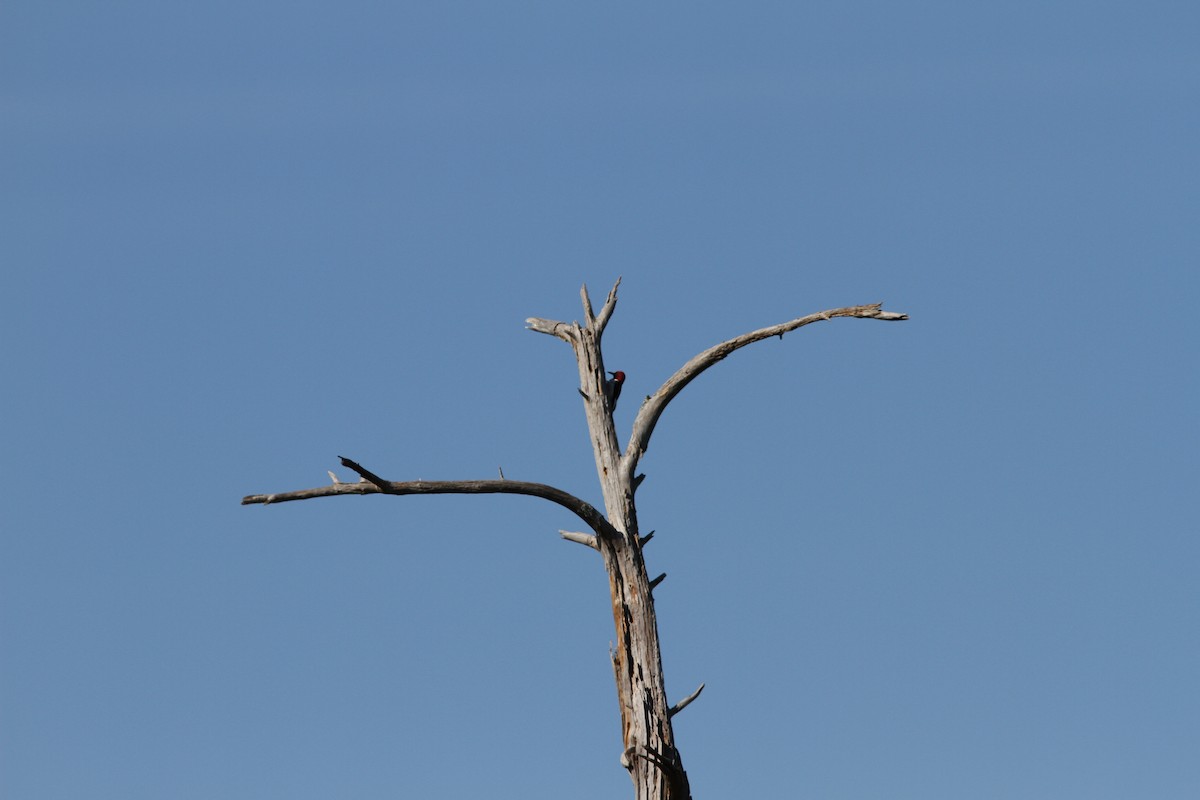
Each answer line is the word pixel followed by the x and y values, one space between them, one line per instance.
pixel 649 751
pixel 649 742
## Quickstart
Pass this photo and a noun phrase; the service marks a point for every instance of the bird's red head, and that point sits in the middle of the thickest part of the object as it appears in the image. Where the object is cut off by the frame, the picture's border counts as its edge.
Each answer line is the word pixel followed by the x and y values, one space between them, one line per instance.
pixel 618 376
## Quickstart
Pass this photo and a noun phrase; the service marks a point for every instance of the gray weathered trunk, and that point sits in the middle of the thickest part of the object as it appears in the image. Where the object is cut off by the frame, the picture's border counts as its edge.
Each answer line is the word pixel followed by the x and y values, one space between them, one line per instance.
pixel 647 738
pixel 649 752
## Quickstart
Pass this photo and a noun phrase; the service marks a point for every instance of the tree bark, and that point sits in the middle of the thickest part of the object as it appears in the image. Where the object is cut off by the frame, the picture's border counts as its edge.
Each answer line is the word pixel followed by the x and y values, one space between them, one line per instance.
pixel 648 740
pixel 649 752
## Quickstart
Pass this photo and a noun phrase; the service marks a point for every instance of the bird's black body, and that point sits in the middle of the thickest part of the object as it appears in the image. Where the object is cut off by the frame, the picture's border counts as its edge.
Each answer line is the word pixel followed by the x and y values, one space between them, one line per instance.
pixel 612 389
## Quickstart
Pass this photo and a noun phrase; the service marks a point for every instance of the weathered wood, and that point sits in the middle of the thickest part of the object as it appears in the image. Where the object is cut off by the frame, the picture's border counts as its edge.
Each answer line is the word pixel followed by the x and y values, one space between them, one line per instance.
pixel 652 409
pixel 648 741
pixel 588 539
pixel 685 702
pixel 585 511
pixel 649 749
pixel 650 754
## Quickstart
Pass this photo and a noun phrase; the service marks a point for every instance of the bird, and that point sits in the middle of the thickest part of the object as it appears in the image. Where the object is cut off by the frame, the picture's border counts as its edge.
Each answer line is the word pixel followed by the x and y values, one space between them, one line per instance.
pixel 612 389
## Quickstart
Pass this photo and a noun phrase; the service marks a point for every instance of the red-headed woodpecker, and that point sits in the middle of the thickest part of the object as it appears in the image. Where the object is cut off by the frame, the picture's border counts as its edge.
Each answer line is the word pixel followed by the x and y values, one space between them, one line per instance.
pixel 612 389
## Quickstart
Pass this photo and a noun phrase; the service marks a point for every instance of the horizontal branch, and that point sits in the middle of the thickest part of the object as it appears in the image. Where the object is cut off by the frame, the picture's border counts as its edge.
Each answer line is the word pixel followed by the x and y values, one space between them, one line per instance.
pixel 652 409
pixel 373 484
pixel 567 331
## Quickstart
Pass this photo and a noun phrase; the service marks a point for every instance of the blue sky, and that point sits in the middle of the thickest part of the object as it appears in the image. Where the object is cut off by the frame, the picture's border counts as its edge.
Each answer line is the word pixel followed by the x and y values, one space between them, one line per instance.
pixel 952 557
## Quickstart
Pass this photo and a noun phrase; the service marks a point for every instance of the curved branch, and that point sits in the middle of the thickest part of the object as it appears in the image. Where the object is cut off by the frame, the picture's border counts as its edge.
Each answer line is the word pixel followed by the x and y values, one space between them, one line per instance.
pixel 373 484
pixel 652 409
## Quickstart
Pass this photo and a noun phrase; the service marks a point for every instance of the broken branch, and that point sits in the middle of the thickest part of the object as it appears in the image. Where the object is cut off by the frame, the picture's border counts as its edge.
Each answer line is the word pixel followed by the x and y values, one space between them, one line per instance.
pixel 566 331
pixel 685 702
pixel 609 304
pixel 588 539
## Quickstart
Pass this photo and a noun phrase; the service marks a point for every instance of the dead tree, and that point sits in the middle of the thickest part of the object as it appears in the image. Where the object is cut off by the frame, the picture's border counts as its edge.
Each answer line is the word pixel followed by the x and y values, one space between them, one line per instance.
pixel 649 752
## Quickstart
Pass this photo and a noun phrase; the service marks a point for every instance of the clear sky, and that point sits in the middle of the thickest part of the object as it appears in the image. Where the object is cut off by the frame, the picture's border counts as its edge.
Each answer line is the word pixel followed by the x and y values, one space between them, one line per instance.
pixel 954 557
